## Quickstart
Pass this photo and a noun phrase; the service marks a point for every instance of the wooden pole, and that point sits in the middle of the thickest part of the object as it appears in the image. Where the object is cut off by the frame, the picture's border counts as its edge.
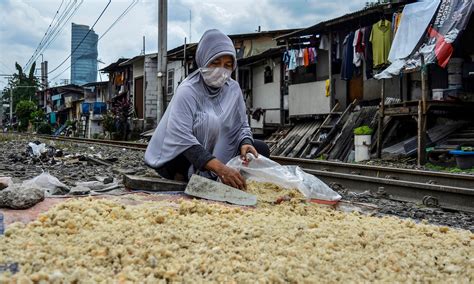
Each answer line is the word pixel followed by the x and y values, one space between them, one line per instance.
pixel 380 121
pixel 422 116
pixel 331 93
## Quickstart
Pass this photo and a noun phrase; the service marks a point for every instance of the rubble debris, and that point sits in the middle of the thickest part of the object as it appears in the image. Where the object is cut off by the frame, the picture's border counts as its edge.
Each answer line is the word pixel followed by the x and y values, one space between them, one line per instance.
pixel 332 138
pixel 20 196
pixel 433 135
pixel 80 190
pixel 5 182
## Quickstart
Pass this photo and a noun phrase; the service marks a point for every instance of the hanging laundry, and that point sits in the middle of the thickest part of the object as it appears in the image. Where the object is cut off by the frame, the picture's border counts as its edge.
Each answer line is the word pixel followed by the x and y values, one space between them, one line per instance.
pixel 381 39
pixel 300 58
pixel 292 63
pixel 397 22
pixel 359 47
pixel 286 58
pixel 52 118
pixel 337 41
pixel 328 87
pixel 305 57
pixel 315 54
pixel 324 43
pixel 347 57
pixel 368 54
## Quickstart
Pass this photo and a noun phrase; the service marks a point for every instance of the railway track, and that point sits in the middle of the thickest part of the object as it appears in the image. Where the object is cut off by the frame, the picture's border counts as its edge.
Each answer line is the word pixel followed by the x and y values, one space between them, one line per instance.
pixel 445 190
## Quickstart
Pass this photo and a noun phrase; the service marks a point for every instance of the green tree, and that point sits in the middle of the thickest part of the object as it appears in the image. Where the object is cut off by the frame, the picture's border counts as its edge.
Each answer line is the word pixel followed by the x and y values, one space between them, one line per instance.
pixel 24 109
pixel 37 118
pixel 23 86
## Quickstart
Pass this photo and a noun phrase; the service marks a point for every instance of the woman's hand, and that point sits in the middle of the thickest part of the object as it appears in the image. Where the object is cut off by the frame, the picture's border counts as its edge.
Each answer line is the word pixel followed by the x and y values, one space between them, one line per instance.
pixel 227 175
pixel 247 148
pixel 232 177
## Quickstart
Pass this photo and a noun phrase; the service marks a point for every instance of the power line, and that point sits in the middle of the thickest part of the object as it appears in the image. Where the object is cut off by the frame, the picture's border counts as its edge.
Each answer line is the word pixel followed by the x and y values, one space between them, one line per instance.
pixel 66 15
pixel 62 26
pixel 103 11
pixel 47 30
pixel 130 7
pixel 59 26
pixel 8 68
pixel 125 12
pixel 60 19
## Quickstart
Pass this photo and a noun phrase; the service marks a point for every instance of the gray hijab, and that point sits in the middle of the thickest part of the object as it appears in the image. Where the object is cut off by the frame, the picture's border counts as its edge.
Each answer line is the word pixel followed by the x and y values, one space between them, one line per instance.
pixel 200 115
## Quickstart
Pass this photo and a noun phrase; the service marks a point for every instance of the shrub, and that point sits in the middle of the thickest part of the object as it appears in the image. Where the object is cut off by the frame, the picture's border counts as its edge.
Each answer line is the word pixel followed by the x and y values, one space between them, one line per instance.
pixel 363 130
pixel 45 128
pixel 24 109
pixel 108 123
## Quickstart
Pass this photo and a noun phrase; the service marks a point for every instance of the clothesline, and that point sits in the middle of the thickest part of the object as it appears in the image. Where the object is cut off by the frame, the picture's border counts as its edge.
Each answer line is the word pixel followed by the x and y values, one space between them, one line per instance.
pixel 294 58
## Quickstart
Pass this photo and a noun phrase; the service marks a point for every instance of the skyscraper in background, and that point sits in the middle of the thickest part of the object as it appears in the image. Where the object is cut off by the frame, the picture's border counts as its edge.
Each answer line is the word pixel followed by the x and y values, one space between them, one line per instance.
pixel 84 58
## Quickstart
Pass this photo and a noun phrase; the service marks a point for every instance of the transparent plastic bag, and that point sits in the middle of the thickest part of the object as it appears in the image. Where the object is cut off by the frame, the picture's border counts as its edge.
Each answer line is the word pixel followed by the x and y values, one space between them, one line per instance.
pixel 48 183
pixel 266 170
pixel 38 149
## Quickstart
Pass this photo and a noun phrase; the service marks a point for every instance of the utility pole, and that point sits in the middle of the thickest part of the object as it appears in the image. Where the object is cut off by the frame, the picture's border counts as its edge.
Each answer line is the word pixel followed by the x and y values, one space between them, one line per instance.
pixel 44 75
pixel 162 53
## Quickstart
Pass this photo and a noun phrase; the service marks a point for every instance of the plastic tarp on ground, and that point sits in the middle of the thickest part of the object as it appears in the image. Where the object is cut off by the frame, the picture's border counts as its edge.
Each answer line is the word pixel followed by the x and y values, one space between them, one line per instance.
pixel 451 18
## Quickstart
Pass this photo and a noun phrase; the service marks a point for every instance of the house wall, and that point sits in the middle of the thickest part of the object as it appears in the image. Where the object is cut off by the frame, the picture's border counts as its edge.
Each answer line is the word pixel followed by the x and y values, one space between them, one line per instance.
pixel 340 90
pixel 178 73
pixel 138 68
pixel 322 65
pixel 373 87
pixel 308 99
pixel 254 46
pixel 151 90
pixel 267 95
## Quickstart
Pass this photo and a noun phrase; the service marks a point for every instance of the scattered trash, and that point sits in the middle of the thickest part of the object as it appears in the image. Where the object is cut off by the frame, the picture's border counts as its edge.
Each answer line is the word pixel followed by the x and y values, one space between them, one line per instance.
pixel 48 183
pixel 9 267
pixel 37 150
pixel 99 186
pixel 80 190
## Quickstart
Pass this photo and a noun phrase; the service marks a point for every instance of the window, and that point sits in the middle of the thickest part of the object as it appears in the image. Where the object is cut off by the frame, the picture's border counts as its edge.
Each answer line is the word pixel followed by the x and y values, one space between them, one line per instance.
pixel 170 84
pixel 268 74
pixel 303 74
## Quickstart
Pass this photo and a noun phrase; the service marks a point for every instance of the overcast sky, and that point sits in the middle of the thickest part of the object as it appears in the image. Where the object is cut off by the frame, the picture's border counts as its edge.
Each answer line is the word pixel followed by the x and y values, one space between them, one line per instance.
pixel 24 23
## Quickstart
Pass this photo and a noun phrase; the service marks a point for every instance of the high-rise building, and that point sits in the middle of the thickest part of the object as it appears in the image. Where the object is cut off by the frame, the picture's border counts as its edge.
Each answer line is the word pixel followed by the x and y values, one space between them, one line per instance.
pixel 84 58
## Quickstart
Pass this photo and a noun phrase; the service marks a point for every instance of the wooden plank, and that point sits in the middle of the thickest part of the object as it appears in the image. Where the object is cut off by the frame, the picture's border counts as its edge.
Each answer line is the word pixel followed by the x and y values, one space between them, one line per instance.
pixel 422 115
pixel 380 121
pixel 315 136
pixel 304 140
pixel 134 182
pixel 98 161
pixel 397 111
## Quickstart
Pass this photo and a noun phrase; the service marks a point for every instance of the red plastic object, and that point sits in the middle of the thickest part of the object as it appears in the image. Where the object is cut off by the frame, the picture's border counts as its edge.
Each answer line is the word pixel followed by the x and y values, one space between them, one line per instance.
pixel 326 202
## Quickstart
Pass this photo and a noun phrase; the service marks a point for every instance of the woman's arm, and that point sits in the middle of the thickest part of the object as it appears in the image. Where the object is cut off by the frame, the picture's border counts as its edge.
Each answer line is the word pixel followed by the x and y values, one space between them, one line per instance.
pixel 227 174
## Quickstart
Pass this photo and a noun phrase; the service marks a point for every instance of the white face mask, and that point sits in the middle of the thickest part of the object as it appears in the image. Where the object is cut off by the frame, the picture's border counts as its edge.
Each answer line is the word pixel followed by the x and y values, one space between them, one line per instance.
pixel 215 76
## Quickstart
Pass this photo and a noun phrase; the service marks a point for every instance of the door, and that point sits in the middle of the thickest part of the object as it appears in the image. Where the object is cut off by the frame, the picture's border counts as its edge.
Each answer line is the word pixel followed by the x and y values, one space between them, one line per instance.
pixel 138 91
pixel 356 88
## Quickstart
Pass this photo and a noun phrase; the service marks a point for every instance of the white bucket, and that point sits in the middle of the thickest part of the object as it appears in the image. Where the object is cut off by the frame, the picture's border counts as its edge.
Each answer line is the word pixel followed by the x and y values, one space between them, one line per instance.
pixel 362 147
pixel 438 94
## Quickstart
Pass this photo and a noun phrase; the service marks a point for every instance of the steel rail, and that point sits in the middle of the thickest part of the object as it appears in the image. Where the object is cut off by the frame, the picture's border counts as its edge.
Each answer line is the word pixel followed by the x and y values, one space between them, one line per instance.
pixel 418 176
pixel 446 190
